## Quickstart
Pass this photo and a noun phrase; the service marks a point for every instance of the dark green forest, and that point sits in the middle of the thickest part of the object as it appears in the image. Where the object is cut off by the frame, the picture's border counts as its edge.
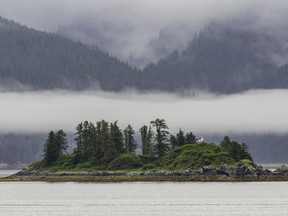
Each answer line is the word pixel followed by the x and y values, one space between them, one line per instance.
pixel 104 145
pixel 218 59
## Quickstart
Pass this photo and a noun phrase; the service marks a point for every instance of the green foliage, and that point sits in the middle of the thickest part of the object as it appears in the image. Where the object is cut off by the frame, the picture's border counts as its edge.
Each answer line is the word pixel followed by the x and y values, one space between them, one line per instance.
pixel 64 162
pixel 55 144
pixel 161 137
pixel 180 138
pixel 147 159
pixel 117 137
pixel 194 156
pixel 146 138
pixel 236 150
pixel 149 166
pixel 37 165
pixel 97 149
pixel 173 142
pixel 130 144
pixel 125 161
pixel 190 138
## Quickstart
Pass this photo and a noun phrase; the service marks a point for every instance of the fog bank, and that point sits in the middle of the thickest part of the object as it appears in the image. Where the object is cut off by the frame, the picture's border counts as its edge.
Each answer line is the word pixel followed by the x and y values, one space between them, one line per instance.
pixel 253 111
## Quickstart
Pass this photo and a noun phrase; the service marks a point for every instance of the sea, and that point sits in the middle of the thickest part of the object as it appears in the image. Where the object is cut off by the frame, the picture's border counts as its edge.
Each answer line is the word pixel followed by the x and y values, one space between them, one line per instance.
pixel 144 199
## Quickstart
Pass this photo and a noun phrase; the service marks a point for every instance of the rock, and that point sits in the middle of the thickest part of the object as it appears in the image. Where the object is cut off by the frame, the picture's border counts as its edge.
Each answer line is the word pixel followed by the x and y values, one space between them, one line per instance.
pixel 209 171
pixel 224 170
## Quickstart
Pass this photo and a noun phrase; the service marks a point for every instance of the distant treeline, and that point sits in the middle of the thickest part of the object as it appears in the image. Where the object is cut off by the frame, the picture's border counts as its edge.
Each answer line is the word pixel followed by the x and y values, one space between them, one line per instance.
pixel 20 148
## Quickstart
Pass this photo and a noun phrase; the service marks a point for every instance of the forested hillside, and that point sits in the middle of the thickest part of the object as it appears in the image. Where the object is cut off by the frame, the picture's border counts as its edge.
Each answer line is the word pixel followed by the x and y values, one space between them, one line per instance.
pixel 220 59
pixel 35 60
pixel 16 148
pixel 224 60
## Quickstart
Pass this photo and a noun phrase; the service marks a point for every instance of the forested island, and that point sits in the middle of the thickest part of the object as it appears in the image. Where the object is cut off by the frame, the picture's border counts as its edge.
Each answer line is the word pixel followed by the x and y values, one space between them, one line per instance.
pixel 105 152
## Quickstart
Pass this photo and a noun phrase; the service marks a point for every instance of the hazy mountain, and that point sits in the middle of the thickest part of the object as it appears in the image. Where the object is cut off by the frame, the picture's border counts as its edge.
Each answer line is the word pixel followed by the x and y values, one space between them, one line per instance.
pixel 220 59
pixel 36 60
pixel 20 148
pixel 224 59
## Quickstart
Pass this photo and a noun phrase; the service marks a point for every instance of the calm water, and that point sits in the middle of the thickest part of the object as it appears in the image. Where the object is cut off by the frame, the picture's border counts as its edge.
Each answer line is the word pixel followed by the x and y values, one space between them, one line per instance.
pixel 133 199
pixel 4 173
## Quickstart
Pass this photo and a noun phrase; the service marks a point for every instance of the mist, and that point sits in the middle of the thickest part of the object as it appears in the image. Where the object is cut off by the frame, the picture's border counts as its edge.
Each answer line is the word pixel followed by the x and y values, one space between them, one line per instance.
pixel 143 31
pixel 254 111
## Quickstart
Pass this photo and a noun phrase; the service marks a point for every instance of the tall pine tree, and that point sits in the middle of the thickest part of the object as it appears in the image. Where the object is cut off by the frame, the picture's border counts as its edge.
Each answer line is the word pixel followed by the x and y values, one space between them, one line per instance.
pixel 130 144
pixel 161 137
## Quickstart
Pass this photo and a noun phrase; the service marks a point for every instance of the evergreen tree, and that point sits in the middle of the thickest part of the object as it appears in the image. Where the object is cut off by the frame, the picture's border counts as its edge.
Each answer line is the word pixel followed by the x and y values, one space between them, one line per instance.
pixel 190 138
pixel 54 146
pixel 51 150
pixel 86 141
pixel 93 141
pixel 180 137
pixel 236 150
pixel 161 137
pixel 61 140
pixel 244 153
pixel 117 137
pixel 146 138
pixel 130 143
pixel 173 141
pixel 107 148
pixel 226 142
pixel 79 151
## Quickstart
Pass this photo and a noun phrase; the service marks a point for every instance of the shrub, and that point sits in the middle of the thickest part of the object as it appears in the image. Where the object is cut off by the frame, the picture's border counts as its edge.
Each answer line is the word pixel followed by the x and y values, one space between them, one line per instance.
pixel 125 161
pixel 149 167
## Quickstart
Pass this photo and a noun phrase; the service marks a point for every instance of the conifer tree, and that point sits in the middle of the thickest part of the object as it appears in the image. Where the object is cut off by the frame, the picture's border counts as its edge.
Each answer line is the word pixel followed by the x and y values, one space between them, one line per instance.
pixel 54 146
pixel 106 147
pixel 130 143
pixel 236 150
pixel 161 137
pixel 146 138
pixel 117 137
pixel 180 137
pixel 190 138
pixel 173 141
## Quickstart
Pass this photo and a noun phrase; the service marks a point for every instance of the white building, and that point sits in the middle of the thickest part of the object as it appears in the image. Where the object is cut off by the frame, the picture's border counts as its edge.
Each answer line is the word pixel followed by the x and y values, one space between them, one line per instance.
pixel 201 139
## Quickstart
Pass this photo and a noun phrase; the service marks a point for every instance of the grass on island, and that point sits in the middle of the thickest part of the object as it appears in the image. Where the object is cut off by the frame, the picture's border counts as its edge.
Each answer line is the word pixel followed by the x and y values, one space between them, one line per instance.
pixel 190 156
pixel 186 157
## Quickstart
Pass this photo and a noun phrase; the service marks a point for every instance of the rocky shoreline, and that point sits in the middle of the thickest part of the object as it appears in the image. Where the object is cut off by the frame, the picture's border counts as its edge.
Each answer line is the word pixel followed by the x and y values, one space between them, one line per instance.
pixel 250 171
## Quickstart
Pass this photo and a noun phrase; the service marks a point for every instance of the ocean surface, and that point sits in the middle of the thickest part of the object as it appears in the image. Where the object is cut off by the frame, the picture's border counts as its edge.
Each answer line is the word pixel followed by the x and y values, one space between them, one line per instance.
pixel 4 173
pixel 143 199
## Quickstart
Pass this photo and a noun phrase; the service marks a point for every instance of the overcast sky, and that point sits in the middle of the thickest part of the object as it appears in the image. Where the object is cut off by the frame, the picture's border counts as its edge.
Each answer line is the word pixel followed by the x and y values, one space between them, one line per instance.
pixel 254 111
pixel 136 30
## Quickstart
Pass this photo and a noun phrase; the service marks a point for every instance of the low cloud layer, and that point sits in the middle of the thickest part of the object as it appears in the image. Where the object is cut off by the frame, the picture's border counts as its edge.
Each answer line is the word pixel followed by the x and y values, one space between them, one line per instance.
pixel 142 31
pixel 254 111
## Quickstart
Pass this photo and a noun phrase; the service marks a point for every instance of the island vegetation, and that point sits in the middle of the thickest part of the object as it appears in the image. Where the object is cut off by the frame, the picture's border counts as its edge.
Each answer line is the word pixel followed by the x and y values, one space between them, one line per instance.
pixel 104 146
pixel 106 153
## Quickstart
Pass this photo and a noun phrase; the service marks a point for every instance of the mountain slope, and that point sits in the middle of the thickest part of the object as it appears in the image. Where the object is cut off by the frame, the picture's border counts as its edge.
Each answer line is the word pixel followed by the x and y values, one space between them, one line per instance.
pixel 220 59
pixel 39 60
pixel 224 60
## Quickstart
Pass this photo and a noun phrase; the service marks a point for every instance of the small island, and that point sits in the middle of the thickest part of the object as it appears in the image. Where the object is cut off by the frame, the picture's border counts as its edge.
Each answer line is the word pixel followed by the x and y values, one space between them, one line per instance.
pixel 106 153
